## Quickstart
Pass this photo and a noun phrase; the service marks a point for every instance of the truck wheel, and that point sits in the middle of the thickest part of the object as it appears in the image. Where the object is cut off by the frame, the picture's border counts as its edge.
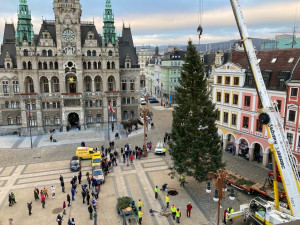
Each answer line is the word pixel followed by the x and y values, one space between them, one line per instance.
pixel 251 222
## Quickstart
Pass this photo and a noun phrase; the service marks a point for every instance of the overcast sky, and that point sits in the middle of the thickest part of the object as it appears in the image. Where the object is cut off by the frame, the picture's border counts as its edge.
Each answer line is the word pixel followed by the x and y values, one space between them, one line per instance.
pixel 159 22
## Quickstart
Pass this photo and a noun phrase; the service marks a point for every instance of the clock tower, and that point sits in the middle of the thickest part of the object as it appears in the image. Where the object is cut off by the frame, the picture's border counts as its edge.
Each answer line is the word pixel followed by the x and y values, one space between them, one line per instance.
pixel 67 23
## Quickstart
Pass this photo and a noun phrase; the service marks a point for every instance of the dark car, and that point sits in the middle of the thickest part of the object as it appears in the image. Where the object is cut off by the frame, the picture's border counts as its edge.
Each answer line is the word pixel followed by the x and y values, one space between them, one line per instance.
pixel 75 164
pixel 153 100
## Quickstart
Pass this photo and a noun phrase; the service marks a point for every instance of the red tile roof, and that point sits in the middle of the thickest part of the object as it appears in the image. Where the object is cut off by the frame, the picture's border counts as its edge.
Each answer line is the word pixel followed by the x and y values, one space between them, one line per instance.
pixel 266 56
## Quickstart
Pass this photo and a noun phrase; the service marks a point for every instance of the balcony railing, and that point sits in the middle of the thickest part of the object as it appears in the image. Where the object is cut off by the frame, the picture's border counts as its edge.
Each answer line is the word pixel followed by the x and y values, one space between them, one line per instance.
pixel 71 95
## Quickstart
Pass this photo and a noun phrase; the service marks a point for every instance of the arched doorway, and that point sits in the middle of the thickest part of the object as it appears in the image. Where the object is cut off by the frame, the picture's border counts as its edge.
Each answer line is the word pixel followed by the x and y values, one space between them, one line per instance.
pixel 244 149
pixel 73 119
pixel 258 152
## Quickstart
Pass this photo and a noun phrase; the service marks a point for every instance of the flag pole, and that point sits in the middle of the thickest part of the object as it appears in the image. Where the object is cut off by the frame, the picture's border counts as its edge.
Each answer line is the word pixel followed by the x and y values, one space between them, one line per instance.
pixel 28 113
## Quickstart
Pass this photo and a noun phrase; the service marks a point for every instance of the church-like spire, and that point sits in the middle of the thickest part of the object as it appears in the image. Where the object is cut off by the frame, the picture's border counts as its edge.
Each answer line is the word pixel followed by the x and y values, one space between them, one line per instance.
pixel 109 30
pixel 24 28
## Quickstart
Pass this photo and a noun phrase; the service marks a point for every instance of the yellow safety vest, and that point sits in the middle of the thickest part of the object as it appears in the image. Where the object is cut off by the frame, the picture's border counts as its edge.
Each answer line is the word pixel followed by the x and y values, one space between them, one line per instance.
pixel 140 214
pixel 177 213
pixel 232 211
pixel 173 209
pixel 182 178
pixel 164 149
pixel 140 203
pixel 156 190
pixel 167 199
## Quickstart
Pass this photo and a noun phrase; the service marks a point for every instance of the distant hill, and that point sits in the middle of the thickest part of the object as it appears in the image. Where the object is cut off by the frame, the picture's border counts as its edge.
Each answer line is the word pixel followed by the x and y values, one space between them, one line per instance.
pixel 211 46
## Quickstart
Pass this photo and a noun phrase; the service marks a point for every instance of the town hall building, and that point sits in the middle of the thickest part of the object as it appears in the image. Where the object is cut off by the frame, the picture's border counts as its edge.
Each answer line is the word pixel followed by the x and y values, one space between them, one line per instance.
pixel 68 74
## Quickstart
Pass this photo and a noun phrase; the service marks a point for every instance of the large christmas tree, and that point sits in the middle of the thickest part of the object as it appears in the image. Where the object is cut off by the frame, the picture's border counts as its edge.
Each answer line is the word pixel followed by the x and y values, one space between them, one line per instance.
pixel 195 144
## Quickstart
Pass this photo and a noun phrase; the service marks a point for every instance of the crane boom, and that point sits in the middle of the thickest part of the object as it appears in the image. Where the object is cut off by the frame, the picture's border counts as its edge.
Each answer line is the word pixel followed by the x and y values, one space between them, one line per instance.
pixel 277 138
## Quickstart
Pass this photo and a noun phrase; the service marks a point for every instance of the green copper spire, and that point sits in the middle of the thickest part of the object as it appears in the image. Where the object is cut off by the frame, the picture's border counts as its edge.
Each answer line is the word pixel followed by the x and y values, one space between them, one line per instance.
pixel 109 30
pixel 25 28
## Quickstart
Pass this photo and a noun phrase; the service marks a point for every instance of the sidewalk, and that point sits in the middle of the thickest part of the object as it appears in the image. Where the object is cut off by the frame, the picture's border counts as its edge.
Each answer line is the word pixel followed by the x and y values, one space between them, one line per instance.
pixel 63 138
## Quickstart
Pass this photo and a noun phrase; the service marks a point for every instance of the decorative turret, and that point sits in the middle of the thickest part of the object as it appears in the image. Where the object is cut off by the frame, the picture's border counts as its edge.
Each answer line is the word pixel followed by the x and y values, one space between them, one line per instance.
pixel 109 30
pixel 25 28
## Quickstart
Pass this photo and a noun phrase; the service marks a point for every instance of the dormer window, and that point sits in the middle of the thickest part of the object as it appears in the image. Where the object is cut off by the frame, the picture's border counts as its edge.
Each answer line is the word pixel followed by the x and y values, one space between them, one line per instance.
pixel 274 60
pixel 291 60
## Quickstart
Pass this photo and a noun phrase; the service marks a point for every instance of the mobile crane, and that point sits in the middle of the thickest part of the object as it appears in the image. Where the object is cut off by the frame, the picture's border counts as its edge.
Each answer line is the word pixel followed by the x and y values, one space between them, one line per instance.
pixel 260 211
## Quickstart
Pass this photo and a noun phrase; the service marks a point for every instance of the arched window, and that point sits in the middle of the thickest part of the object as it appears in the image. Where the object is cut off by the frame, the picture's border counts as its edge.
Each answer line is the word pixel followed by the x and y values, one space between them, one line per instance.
pixel 51 65
pixel 111 83
pixel 55 82
pixel 29 65
pixel 8 65
pixel 125 115
pixel 44 53
pixel 45 65
pixel 84 65
pixel 124 85
pixel 127 65
pixel 94 53
pixel 44 85
pixel 29 86
pixel 25 52
pixel 132 85
pixel 108 65
pixel 98 84
pixel 99 65
pixel 113 65
pixel 89 53
pixel 24 65
pixel 110 53
pixel 95 65
pixel 89 65
pixel 40 65
pixel 56 65
pixel 50 53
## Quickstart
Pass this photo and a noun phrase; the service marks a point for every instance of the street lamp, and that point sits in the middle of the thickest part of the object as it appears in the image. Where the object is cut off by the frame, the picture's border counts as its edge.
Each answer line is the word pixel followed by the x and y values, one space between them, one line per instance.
pixel 199 31
pixel 220 190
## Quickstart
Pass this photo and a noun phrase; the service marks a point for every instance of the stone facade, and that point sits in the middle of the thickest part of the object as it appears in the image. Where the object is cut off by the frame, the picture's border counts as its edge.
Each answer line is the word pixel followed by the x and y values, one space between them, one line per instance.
pixel 68 74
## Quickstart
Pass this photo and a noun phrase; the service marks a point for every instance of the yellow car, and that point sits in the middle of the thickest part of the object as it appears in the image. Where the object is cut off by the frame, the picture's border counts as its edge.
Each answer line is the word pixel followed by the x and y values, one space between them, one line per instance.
pixel 96 159
pixel 85 152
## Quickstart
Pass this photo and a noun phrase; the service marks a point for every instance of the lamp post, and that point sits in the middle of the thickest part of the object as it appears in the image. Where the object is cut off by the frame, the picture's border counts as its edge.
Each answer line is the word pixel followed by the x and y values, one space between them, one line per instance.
pixel 220 190
pixel 199 31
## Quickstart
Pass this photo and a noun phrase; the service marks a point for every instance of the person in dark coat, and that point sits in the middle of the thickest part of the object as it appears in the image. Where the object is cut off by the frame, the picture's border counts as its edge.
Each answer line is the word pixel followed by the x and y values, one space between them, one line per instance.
pixel 9 200
pixel 88 197
pixel 90 208
pixel 36 194
pixel 59 219
pixel 83 193
pixel 29 206
pixel 79 177
pixel 68 200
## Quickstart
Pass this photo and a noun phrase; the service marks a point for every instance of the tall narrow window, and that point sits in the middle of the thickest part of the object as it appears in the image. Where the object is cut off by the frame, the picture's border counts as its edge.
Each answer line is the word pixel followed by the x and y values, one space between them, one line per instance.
pixel 226 98
pixel 246 122
pixel 258 126
pixel 235 99
pixel 132 85
pixel 218 96
pixel 5 87
pixel 225 119
pixel 233 119
pixel 247 101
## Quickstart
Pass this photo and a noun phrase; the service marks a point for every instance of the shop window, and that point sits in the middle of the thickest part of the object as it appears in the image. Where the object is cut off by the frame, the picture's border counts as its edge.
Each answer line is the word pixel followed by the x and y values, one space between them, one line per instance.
pixel 235 99
pixel 236 81
pixel 258 126
pixel 292 115
pixel 225 119
pixel 246 122
pixel 226 98
pixel 227 80
pixel 247 101
pixel 233 119
pixel 218 96
pixel 294 92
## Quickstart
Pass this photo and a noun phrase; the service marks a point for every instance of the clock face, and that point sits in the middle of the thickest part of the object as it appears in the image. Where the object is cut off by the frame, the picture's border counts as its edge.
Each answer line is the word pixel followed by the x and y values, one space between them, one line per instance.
pixel 68 35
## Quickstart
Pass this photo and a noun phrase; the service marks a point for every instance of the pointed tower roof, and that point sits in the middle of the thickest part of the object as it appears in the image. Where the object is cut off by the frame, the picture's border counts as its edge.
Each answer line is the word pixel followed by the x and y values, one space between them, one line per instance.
pixel 25 27
pixel 109 30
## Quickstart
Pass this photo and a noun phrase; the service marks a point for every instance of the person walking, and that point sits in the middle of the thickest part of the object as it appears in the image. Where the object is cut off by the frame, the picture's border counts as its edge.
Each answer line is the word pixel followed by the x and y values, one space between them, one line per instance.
pixel 188 209
pixel 173 210
pixel 45 191
pixel 95 217
pixel 53 191
pixel 89 182
pixel 94 202
pixel 61 178
pixel 131 158
pixel 43 199
pixel 73 221
pixel 182 180
pixel 97 191
pixel 36 194
pixel 13 198
pixel 59 219
pixel 90 209
pixel 29 206
pixel 88 197
pixel 178 215
pixel 83 193
pixel 140 215
pixel 9 200
pixel 79 177
pixel 156 192
pixel 87 174
pixel 64 208
pixel 73 193
pixel 68 200
pixel 62 184
pixel 140 204
pixel 167 201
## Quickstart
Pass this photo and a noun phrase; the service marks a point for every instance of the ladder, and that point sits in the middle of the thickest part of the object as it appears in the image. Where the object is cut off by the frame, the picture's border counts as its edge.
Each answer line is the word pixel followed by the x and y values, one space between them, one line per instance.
pixel 277 137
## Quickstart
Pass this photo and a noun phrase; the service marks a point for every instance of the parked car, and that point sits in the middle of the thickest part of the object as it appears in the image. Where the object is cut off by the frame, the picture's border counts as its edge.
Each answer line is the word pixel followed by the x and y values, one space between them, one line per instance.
pixel 159 148
pixel 75 164
pixel 98 175
pixel 143 102
pixel 153 101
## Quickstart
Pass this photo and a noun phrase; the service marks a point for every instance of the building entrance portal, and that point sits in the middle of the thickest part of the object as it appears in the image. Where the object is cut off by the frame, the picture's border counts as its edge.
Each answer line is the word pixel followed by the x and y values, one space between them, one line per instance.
pixel 73 119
